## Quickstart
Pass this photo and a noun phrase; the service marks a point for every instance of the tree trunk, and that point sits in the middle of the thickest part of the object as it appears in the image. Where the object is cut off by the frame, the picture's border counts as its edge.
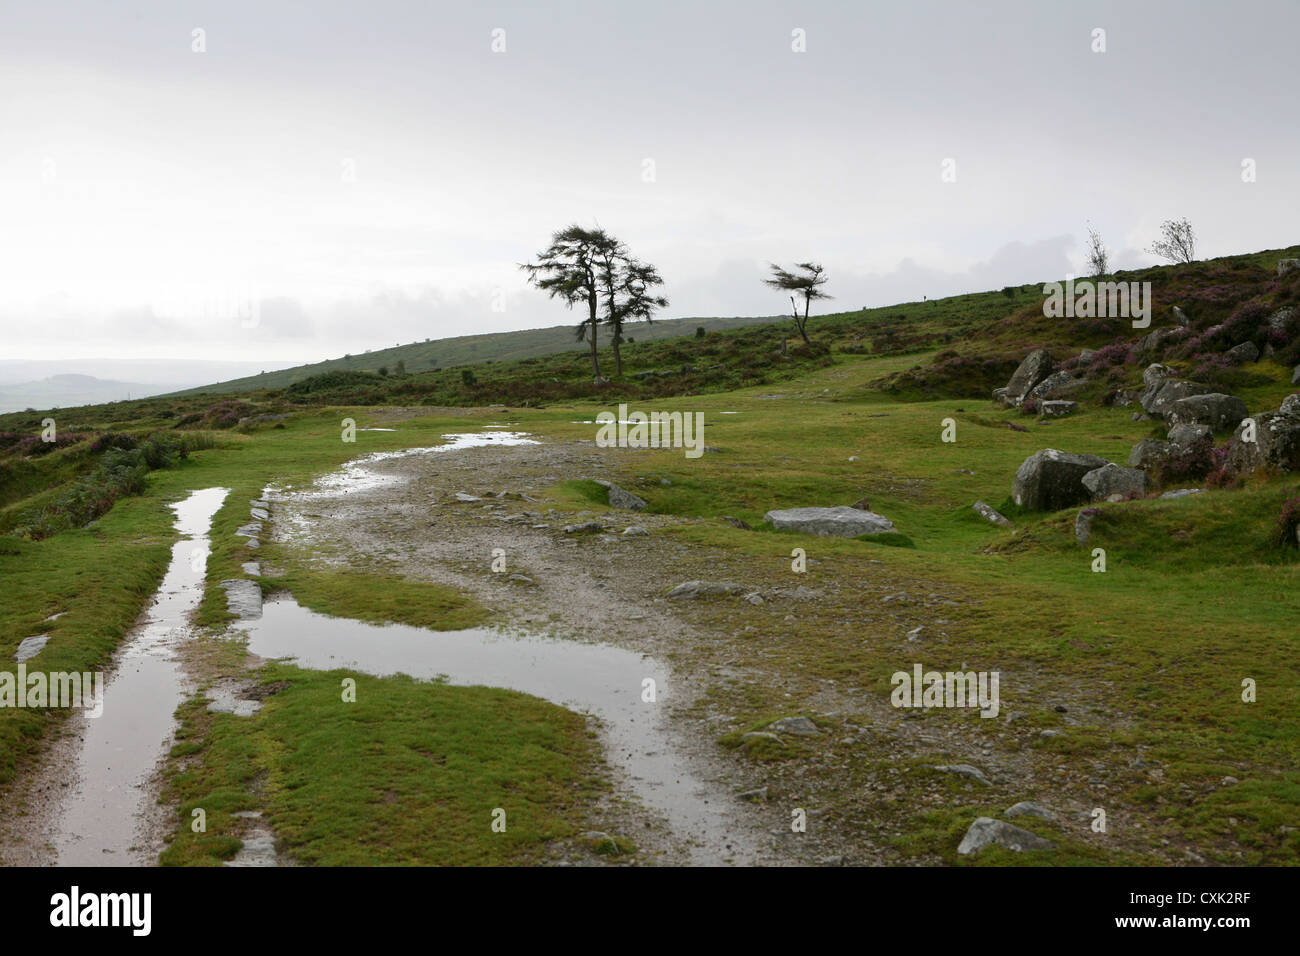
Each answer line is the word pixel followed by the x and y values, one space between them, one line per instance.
pixel 616 341
pixel 595 359
pixel 803 327
pixel 798 323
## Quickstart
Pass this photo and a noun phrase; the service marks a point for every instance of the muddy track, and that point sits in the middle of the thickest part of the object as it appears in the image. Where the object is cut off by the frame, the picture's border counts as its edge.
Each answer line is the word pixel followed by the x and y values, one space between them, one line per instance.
pixel 610 587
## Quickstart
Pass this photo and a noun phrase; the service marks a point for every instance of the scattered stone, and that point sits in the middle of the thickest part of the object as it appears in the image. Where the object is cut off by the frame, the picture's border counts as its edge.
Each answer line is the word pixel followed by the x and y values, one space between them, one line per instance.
pixel 1027 808
pixel 1183 492
pixel 260 514
pixel 1158 338
pixel 1036 367
pixel 467 498
pixel 1276 444
pixel 1083 524
pixel 1295 375
pixel 758 795
pixel 690 590
pixel 587 527
pixel 797 726
pixel 802 593
pixel 243 598
pixel 1150 451
pixel 1286 265
pixel 622 498
pixel 520 579
pixel 914 634
pixel 258 847
pixel 251 567
pixel 250 530
pixel 965 770
pixel 1049 734
pixel 755 737
pixel 862 504
pixel 736 523
pixel 1215 409
pixel 1057 384
pixel 1230 781
pixel 1291 406
pixel 986 831
pixel 1155 373
pixel 1112 479
pixel 1049 479
pixel 839 522
pixel 1181 316
pixel 1160 397
pixel 260 503
pixel 1189 434
pixel 29 647
pixel 1057 408
pixel 754 597
pixel 1243 353
pixel 636 531
pixel 1000 395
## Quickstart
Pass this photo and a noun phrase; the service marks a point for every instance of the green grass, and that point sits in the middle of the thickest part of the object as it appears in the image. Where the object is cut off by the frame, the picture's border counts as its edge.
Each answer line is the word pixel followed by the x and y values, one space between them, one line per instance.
pixel 409 774
pixel 374 597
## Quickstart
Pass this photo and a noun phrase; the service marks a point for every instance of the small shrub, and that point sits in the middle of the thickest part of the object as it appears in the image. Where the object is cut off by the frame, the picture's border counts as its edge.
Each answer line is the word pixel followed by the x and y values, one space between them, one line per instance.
pixel 1284 529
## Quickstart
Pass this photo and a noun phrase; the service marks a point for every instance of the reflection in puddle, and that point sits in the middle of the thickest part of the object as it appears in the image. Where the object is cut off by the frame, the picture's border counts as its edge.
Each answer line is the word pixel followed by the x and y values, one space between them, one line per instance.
pixel 359 474
pixel 600 679
pixel 98 822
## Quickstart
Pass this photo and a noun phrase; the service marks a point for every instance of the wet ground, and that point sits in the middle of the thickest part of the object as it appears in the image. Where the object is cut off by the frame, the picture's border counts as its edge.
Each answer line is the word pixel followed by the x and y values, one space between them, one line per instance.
pixel 93 800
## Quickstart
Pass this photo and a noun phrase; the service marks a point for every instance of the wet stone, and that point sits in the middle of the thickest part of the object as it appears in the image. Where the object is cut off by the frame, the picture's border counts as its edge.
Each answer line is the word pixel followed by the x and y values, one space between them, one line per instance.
pixel 798 726
pixel 31 646
pixel 243 598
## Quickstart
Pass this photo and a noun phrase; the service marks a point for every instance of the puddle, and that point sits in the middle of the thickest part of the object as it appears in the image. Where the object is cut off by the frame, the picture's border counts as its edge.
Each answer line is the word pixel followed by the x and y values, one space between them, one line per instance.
pixel 359 474
pixel 99 823
pixel 599 679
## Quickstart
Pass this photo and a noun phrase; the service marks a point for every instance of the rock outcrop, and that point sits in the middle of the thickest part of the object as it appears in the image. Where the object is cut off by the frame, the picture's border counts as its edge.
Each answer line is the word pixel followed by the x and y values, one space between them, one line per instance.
pixel 1036 367
pixel 1050 479
pixel 1220 412
pixel 1112 479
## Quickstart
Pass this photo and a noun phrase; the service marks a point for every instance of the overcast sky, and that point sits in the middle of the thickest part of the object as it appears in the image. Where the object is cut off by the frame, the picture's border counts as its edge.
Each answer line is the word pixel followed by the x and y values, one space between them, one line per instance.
pixel 371 173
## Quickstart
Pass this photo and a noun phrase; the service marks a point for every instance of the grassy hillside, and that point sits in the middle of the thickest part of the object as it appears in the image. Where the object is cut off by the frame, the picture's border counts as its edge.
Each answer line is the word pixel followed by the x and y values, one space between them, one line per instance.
pixel 465 350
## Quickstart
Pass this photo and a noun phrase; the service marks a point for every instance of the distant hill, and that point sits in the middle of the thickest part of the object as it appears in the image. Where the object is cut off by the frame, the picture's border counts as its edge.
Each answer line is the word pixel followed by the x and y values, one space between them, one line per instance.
pixel 70 390
pixel 470 350
pixel 67 383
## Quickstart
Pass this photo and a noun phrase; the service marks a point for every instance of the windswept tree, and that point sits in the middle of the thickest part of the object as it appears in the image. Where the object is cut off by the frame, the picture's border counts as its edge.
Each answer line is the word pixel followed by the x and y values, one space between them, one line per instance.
pixel 588 265
pixel 806 280
pixel 630 298
pixel 1098 255
pixel 567 270
pixel 1177 242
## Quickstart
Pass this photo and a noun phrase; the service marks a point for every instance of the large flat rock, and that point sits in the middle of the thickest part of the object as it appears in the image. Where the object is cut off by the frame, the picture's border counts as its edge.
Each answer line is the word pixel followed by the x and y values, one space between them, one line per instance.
pixel 839 522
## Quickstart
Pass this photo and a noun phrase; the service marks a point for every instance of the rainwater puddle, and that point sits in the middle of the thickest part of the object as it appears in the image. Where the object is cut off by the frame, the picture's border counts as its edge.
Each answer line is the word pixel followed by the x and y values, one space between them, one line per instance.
pixel 599 679
pixel 99 822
